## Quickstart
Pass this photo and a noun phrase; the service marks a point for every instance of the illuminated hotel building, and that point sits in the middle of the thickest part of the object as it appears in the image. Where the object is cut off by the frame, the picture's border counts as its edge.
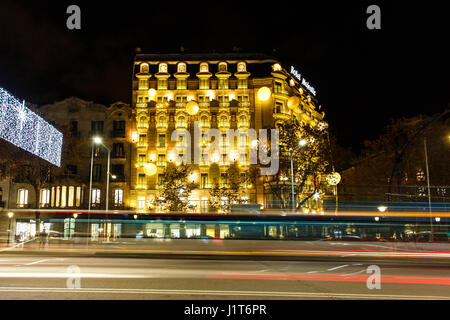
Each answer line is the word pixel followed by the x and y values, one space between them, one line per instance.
pixel 225 88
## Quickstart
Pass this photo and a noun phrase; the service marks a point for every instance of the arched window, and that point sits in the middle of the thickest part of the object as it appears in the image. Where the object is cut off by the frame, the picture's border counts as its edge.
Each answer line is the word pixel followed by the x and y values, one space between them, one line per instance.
pixel 204 67
pixel 243 121
pixel 143 122
pixel 181 67
pixel 241 67
pixel 163 67
pixel 222 67
pixel 144 68
pixel 181 122
pixel 223 121
pixel 204 122
pixel 22 198
pixel 162 122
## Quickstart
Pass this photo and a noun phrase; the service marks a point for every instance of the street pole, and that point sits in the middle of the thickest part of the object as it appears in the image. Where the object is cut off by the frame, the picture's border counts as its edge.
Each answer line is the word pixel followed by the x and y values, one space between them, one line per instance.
pixel 9 231
pixel 90 195
pixel 428 184
pixel 292 179
pixel 107 181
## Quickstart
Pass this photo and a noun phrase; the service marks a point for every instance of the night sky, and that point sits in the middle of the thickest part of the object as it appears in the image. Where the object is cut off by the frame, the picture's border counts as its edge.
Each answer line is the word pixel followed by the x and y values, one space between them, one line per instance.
pixel 363 77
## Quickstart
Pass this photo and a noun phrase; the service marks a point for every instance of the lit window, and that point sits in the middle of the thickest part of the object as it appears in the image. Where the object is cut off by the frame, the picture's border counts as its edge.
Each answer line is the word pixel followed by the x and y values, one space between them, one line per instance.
pixel 143 124
pixel 204 67
pixel 163 67
pixel 181 122
pixel 162 84
pixel 162 140
pixel 142 159
pixel 142 140
pixel 223 121
pixel 243 121
pixel 222 67
pixel 241 67
pixel 204 84
pixel 161 160
pixel 242 83
pixel 204 122
pixel 78 197
pixel 162 122
pixel 45 198
pixel 141 202
pixel 181 84
pixel 95 197
pixel 63 196
pixel 118 197
pixel 141 178
pixel 144 68
pixel 181 67
pixel 223 84
pixel 71 195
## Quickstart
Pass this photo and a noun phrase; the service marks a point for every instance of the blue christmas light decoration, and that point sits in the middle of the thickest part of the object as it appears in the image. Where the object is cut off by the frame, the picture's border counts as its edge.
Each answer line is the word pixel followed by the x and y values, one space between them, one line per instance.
pixel 28 131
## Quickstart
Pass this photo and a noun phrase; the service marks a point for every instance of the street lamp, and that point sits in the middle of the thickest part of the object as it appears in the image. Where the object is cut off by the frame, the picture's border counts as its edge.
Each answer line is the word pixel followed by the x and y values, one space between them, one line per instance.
pixel 10 215
pixel 98 140
pixel 301 143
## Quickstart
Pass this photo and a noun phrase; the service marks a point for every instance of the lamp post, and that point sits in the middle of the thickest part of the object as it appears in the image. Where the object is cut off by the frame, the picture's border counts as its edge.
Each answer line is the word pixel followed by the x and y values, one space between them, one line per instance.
pixel 98 140
pixel 428 185
pixel 10 215
pixel 301 143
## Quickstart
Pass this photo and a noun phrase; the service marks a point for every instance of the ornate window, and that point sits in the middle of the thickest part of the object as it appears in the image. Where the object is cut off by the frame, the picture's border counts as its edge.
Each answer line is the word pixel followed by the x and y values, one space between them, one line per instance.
pixel 181 67
pixel 204 121
pixel 243 121
pixel 163 67
pixel 181 122
pixel 222 67
pixel 144 68
pixel 223 121
pixel 204 67
pixel 241 67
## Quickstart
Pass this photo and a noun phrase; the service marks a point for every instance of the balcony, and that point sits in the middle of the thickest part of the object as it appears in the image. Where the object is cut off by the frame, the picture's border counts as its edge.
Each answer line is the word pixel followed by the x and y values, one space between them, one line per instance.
pixel 180 104
pixel 244 104
pixel 203 104
pixel 224 104
pixel 141 105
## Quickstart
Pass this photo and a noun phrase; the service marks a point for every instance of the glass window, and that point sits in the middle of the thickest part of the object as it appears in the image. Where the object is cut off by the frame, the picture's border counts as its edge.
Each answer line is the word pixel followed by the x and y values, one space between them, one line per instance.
pixel 163 67
pixel 71 195
pixel 162 140
pixel 118 197
pixel 204 84
pixel 45 197
pixel 223 84
pixel 142 159
pixel 204 67
pixel 141 178
pixel 78 197
pixel 141 202
pixel 241 67
pixel 63 196
pixel 95 196
pixel 182 67
pixel 181 84
pixel 222 67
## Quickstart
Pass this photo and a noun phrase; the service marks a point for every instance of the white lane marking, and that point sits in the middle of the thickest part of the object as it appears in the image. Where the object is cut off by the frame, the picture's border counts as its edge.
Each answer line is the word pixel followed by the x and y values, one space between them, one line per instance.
pixel 36 262
pixel 347 274
pixel 338 267
pixel 313 271
pixel 222 293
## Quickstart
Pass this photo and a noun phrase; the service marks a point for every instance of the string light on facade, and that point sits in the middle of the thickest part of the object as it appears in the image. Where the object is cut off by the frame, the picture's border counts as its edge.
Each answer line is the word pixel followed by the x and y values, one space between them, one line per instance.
pixel 28 131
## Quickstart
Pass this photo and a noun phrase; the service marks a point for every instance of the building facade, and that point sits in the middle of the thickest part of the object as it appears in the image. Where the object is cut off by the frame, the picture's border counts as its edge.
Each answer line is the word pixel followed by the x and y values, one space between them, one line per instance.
pixel 226 93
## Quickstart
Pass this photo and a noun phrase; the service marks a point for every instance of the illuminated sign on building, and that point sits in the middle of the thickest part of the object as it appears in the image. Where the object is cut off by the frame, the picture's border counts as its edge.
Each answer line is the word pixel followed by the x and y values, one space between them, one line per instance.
pixel 28 131
pixel 302 80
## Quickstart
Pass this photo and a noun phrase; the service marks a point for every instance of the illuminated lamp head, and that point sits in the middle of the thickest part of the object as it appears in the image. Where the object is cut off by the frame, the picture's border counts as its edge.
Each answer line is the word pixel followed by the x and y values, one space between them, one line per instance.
pixel 152 92
pixel 192 108
pixel 264 93
pixel 151 169
pixel 293 102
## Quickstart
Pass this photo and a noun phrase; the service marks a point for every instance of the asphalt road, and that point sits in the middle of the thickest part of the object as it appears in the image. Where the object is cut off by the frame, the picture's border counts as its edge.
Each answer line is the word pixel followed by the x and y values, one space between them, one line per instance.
pixel 63 277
